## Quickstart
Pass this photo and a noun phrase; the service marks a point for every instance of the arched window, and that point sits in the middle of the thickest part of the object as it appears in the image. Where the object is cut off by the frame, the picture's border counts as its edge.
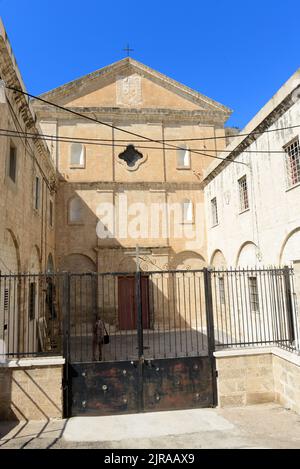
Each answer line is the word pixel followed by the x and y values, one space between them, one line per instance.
pixel 187 211
pixel 77 155
pixel 183 157
pixel 75 210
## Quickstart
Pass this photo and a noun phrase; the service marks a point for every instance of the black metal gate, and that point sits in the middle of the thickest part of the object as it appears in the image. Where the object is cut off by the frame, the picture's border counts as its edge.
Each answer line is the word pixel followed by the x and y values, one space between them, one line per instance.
pixel 163 328
pixel 166 362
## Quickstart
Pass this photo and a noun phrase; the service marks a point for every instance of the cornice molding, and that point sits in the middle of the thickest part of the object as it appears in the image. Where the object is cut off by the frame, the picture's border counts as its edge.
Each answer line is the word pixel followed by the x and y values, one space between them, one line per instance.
pixel 119 186
pixel 128 115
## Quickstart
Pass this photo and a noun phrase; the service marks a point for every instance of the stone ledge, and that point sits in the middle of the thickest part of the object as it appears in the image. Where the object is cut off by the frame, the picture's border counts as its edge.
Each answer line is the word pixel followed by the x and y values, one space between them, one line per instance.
pixel 278 352
pixel 240 352
pixel 32 362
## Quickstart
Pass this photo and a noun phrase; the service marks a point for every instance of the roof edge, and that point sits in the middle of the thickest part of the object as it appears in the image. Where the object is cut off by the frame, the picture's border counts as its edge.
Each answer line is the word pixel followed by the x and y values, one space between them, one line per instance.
pixel 231 151
pixel 146 69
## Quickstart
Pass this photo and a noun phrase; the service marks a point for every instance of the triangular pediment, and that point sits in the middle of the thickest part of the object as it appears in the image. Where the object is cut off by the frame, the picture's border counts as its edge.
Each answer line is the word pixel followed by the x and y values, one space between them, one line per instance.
pixel 130 84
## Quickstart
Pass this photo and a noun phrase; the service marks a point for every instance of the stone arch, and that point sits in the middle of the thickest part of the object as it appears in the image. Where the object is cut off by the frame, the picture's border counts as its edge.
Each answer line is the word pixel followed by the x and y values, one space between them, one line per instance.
pixel 10 261
pixel 188 259
pixel 290 250
pixel 78 263
pixel 247 255
pixel 127 264
pixel 218 259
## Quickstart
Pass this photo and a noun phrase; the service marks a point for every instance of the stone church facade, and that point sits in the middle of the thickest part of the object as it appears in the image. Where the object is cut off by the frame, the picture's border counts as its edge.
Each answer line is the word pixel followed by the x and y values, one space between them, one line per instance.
pixel 99 165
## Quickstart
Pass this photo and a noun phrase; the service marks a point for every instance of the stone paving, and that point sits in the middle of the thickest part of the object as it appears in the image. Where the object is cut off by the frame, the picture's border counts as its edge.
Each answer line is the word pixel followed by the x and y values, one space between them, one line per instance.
pixel 262 426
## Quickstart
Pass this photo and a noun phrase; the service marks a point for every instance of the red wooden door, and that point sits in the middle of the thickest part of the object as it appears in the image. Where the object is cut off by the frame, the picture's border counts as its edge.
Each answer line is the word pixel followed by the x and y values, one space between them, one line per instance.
pixel 127 302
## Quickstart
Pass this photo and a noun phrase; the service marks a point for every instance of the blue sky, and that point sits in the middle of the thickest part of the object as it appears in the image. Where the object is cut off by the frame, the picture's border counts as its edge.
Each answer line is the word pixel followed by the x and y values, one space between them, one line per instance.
pixel 237 52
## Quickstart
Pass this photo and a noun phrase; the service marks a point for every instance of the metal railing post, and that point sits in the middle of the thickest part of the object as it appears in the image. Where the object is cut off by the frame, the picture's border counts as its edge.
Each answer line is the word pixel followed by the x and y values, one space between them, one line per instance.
pixel 210 330
pixel 209 311
pixel 66 339
pixel 289 304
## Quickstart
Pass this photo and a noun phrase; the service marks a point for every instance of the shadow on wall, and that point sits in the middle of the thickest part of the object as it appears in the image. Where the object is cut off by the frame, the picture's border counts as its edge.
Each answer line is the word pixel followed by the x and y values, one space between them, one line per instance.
pixel 30 393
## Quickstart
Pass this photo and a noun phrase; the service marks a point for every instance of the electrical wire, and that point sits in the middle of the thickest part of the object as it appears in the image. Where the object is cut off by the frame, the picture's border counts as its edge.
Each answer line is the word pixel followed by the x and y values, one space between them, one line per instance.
pixel 156 141
pixel 101 142
pixel 92 119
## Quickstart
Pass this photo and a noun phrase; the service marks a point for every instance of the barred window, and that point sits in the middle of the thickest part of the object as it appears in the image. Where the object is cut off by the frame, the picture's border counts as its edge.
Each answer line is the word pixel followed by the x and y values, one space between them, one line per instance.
pixel 253 293
pixel 222 290
pixel 214 212
pixel 293 162
pixel 243 189
pixel 6 300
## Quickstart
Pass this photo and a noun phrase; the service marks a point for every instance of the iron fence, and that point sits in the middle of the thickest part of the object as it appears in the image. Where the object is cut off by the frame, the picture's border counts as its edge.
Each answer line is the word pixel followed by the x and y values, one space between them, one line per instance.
pixel 170 306
pixel 30 315
pixel 255 307
pixel 157 314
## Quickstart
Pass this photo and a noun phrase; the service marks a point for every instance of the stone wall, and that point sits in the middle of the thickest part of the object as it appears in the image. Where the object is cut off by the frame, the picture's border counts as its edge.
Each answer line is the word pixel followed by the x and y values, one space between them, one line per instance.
pixel 245 380
pixel 256 376
pixel 271 225
pixel 31 389
pixel 287 383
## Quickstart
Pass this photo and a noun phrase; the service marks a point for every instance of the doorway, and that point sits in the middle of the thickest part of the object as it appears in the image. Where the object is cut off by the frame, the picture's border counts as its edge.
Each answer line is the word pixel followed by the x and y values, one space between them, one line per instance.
pixel 127 306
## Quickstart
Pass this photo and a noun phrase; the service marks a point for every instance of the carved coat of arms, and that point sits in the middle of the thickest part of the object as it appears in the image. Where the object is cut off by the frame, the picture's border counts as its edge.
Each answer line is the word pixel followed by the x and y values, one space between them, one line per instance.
pixel 129 90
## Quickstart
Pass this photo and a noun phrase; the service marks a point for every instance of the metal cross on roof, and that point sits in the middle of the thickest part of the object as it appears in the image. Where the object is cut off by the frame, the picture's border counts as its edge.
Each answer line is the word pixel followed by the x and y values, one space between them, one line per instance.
pixel 128 50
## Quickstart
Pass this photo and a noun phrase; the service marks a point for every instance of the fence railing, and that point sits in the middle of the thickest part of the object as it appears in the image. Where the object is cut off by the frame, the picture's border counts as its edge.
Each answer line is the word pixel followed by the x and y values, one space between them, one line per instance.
pixel 157 314
pixel 30 315
pixel 254 307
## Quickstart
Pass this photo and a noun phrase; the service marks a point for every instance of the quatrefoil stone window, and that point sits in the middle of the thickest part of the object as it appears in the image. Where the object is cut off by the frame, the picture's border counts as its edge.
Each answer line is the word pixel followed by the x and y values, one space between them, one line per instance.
pixel 131 156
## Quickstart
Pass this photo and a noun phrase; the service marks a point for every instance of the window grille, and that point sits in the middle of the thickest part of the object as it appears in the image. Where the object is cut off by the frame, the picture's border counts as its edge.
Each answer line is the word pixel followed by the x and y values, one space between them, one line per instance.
pixel 243 189
pixel 253 293
pixel 293 162
pixel 214 211
pixel 222 290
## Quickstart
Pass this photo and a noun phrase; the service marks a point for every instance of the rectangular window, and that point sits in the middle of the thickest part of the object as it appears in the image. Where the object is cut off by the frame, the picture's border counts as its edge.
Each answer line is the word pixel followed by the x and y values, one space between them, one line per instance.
pixel 37 193
pixel 243 189
pixel 31 300
pixel 183 158
pixel 51 213
pixel 77 156
pixel 214 212
pixel 293 162
pixel 12 170
pixel 222 290
pixel 253 293
pixel 187 211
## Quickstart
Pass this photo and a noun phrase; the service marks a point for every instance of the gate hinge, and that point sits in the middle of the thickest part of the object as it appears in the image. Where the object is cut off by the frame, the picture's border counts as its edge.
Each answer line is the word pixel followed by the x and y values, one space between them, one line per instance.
pixel 216 374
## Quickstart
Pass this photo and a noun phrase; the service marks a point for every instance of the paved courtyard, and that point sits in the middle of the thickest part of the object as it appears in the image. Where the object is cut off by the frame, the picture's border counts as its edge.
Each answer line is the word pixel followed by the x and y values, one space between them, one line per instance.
pixel 262 426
